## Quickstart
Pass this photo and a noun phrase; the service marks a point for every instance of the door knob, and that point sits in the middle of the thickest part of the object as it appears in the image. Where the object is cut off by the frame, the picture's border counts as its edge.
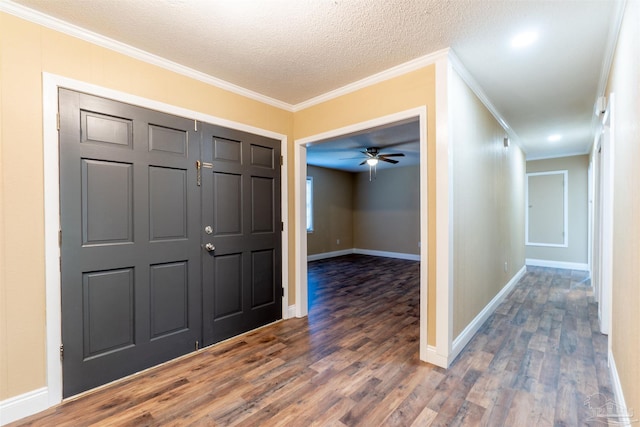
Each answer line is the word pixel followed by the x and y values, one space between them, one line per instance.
pixel 209 247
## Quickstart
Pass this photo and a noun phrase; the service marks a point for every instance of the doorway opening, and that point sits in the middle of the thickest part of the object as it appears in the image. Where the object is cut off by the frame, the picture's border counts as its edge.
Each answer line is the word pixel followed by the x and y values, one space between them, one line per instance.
pixel 363 196
pixel 417 115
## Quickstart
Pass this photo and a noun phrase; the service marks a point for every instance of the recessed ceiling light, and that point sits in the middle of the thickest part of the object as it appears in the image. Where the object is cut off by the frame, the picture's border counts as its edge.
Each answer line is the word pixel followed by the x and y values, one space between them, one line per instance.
pixel 555 137
pixel 524 39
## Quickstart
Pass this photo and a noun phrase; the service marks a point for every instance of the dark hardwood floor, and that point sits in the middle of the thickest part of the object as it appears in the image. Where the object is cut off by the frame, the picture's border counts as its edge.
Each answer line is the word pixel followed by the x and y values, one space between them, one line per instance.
pixel 538 361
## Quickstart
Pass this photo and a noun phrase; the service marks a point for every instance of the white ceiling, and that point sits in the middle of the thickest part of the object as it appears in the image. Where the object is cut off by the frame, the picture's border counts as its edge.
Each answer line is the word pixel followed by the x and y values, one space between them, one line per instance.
pixel 295 50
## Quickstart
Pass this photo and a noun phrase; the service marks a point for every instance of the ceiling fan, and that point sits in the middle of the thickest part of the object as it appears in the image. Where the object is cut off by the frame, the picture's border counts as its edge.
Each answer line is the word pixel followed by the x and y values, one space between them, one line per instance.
pixel 374 156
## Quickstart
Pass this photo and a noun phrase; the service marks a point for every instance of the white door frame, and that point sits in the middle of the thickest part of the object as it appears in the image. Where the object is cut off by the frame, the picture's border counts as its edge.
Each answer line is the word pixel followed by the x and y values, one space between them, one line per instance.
pixel 50 85
pixel 595 215
pixel 606 217
pixel 565 207
pixel 300 175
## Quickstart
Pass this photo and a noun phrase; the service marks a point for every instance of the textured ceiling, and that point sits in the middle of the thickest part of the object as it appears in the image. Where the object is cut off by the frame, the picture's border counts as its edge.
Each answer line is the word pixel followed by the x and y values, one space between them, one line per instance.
pixel 295 50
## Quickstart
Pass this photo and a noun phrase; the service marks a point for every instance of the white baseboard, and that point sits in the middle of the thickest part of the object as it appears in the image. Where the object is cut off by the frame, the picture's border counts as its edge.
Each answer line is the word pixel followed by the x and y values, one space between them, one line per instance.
pixel 624 416
pixel 557 264
pixel 399 255
pixel 436 359
pixel 326 255
pixel 465 336
pixel 291 312
pixel 24 405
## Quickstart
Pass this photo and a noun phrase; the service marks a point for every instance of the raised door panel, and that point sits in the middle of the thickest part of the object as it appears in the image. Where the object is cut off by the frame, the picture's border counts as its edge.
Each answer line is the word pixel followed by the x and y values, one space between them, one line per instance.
pixel 262 205
pixel 107 202
pixel 167 203
pixel 263 278
pixel 167 140
pixel 227 203
pixel 227 285
pixel 108 311
pixel 169 298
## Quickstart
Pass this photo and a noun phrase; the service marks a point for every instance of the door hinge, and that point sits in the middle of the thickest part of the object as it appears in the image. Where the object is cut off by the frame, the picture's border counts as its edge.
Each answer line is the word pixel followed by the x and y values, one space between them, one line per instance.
pixel 58 121
pixel 197 345
pixel 59 238
pixel 281 160
pixel 282 292
pixel 61 352
pixel 281 225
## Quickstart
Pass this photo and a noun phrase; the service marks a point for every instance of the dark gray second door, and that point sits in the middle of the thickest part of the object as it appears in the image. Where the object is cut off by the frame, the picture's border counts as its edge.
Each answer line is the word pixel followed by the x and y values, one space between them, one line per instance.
pixel 242 283
pixel 130 215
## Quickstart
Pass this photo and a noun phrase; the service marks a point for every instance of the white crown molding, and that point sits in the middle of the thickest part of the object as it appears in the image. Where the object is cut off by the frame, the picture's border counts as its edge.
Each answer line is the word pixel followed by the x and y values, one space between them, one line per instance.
pixel 610 48
pixel 398 70
pixel 609 52
pixel 459 67
pixel 39 18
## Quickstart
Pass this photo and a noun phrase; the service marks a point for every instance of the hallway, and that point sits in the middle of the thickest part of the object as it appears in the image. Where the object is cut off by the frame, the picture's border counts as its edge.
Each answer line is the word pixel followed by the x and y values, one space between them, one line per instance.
pixel 539 360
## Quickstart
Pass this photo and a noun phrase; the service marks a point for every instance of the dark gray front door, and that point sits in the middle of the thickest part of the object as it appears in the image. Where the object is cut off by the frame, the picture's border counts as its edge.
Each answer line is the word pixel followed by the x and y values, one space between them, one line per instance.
pixel 131 255
pixel 241 203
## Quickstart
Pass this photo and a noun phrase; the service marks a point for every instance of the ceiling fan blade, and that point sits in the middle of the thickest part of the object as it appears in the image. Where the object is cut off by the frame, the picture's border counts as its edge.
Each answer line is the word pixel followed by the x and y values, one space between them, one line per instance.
pixel 392 155
pixel 387 160
pixel 363 162
pixel 350 158
pixel 368 153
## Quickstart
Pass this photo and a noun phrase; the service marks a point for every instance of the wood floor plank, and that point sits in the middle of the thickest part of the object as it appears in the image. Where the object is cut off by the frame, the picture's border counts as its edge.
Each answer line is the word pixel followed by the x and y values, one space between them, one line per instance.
pixel 425 418
pixel 413 405
pixel 354 362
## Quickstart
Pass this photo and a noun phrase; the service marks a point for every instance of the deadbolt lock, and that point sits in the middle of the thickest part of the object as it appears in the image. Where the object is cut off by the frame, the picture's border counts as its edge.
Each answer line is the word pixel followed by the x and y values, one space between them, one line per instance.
pixel 208 229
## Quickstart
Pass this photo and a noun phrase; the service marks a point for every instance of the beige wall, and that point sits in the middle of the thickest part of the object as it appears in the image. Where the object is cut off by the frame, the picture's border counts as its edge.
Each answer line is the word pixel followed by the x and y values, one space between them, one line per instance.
pixel 381 215
pixel 26 51
pixel 387 210
pixel 578 249
pixel 4 367
pixel 488 200
pixel 411 90
pixel 624 82
pixel 332 210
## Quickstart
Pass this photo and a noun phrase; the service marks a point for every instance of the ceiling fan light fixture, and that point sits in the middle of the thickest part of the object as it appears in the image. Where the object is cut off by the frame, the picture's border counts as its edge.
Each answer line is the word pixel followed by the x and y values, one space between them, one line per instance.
pixel 372 161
